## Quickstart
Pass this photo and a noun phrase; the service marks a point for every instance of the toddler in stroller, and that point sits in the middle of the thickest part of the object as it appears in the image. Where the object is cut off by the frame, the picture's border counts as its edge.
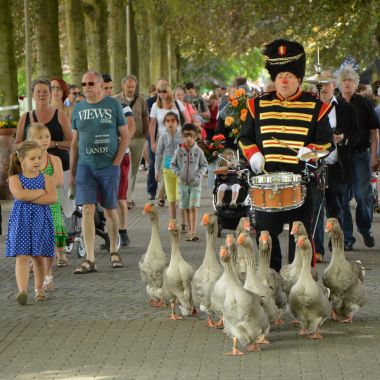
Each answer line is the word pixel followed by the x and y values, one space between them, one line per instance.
pixel 231 192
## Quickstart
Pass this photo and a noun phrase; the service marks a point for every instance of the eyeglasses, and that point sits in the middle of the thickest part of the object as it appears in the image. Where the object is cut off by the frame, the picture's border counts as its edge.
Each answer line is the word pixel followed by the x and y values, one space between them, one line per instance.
pixel 162 91
pixel 84 84
pixel 56 88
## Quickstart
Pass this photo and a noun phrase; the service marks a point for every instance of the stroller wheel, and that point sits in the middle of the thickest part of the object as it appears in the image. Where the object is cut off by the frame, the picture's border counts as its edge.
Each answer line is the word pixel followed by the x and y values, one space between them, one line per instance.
pixel 78 248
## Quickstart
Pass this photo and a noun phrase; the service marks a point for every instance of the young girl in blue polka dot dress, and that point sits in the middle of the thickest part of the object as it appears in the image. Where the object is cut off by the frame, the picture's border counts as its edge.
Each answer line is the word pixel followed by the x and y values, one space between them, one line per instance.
pixel 30 226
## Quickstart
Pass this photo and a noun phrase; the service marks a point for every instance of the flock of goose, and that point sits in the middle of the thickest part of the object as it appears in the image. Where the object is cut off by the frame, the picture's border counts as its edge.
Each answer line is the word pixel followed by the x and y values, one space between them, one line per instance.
pixel 246 298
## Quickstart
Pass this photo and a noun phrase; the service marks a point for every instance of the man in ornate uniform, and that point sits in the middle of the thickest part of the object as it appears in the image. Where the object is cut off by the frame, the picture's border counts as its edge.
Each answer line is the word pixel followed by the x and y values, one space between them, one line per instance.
pixel 298 120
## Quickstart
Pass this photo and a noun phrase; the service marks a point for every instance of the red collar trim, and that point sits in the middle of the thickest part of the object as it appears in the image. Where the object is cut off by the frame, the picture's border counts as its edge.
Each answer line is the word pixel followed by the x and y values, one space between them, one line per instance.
pixel 296 96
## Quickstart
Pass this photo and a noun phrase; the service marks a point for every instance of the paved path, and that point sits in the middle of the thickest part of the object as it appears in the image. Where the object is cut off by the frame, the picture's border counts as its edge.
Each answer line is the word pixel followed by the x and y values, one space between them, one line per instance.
pixel 99 326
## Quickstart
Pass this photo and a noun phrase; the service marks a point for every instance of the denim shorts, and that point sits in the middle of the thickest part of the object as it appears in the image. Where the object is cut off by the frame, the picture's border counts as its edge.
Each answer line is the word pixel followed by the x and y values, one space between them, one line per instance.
pixel 94 184
pixel 190 195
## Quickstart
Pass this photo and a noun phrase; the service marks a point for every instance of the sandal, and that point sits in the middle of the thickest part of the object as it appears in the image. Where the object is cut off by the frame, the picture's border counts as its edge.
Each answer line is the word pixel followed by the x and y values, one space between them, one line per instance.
pixel 194 237
pixel 189 236
pixel 22 298
pixel 161 202
pixel 116 263
pixel 48 283
pixel 86 267
pixel 40 295
pixel 62 260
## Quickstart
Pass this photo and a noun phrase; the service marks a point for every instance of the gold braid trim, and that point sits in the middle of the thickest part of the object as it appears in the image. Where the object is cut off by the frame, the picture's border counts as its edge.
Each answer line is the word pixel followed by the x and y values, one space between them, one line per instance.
pixel 284 60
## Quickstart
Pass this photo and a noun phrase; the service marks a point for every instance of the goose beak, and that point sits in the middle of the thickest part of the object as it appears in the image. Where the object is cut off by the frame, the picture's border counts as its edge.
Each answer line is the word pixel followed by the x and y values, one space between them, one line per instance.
pixel 205 220
pixel 241 239
pixel 147 208
pixel 229 240
pixel 301 241
pixel 329 227
pixel 295 229
pixel 264 238
pixel 247 226
pixel 223 252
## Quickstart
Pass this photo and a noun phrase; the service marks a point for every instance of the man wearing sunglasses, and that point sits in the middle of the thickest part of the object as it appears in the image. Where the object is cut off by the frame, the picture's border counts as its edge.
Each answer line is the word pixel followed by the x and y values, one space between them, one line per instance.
pixel 100 138
pixel 71 97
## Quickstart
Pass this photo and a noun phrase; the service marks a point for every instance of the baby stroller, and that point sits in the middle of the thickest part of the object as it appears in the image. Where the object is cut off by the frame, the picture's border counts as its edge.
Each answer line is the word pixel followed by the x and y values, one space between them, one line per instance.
pixel 75 243
pixel 229 217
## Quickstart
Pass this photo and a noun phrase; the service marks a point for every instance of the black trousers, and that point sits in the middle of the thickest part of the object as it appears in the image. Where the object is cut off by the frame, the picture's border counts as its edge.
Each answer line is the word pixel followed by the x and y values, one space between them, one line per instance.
pixel 274 221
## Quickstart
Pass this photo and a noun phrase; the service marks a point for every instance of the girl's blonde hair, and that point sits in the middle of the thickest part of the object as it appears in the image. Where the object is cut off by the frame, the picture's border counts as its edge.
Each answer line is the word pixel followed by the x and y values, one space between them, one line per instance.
pixel 169 98
pixel 20 153
pixel 35 128
pixel 226 152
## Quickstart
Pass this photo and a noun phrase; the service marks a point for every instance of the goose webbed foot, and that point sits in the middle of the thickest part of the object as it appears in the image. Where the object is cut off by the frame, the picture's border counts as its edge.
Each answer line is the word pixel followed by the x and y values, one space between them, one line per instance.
pixel 235 351
pixel 262 340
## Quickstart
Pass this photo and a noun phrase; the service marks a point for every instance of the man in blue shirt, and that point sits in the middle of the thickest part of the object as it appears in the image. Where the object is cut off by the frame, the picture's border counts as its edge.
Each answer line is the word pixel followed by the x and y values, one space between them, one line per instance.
pixel 100 138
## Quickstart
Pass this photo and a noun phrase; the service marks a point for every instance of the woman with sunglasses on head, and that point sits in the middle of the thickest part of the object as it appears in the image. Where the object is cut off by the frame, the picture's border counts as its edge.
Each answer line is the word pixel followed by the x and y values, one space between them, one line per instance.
pixel 165 103
pixel 55 120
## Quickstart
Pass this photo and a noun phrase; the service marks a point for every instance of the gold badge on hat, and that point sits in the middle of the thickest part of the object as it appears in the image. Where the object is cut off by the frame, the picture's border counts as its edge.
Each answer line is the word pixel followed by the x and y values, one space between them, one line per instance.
pixel 281 50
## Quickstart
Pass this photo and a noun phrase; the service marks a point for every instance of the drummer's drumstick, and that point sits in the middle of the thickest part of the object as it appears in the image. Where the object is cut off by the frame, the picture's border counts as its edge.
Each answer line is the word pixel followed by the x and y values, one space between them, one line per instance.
pixel 286 145
pixel 265 172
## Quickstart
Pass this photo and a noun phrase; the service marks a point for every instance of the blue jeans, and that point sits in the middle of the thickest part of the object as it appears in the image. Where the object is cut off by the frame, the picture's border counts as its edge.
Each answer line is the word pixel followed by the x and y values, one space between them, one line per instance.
pixel 361 190
pixel 151 180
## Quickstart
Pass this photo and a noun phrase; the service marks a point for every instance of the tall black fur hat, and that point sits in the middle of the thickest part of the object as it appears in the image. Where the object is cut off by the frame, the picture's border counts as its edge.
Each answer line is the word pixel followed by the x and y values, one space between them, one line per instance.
pixel 283 55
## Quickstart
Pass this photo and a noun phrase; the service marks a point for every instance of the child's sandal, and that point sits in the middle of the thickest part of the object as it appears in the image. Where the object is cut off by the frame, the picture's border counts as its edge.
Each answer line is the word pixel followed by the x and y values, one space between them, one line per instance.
pixel 189 236
pixel 40 295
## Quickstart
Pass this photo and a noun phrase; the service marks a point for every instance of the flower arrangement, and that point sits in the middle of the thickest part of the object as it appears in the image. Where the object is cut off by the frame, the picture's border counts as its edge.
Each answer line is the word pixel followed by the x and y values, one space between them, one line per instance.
pixel 236 112
pixel 213 148
pixel 8 122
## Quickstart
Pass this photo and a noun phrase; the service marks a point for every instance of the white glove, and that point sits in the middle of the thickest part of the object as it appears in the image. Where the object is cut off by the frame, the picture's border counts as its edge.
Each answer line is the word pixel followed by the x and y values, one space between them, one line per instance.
pixel 332 158
pixel 303 151
pixel 257 162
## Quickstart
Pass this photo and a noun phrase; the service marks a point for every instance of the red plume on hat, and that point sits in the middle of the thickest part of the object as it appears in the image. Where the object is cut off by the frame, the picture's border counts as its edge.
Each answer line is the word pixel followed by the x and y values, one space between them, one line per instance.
pixel 283 55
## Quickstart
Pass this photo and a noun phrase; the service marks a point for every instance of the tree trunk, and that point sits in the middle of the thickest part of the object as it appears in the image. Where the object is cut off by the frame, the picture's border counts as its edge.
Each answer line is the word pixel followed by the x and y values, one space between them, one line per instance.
pixel 47 36
pixel 144 55
pixel 76 48
pixel 156 38
pixel 133 40
pixel 8 68
pixel 96 16
pixel 117 42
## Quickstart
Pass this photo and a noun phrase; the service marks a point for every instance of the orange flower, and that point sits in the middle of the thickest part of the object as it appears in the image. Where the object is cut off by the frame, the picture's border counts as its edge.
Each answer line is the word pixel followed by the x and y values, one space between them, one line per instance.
pixel 235 131
pixel 239 92
pixel 229 121
pixel 243 114
pixel 231 98
pixel 234 103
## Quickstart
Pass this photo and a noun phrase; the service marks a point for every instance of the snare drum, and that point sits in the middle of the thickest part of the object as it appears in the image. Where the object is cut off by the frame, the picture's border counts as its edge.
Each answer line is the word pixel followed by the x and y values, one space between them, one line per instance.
pixel 277 192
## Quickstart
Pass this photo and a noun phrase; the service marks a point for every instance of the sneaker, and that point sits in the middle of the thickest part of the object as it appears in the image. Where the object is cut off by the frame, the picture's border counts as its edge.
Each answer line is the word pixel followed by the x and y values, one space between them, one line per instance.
pixel 22 298
pixel 233 205
pixel 131 205
pixel 219 204
pixel 124 239
pixel 349 246
pixel 369 240
pixel 151 197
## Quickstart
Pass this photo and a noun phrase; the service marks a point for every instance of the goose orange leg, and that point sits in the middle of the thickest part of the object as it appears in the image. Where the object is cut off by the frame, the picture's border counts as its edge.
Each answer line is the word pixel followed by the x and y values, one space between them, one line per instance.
pixel 220 323
pixel 210 322
pixel 334 317
pixel 316 335
pixel 303 332
pixel 173 316
pixel 235 351
pixel 262 340
pixel 349 319
pixel 253 348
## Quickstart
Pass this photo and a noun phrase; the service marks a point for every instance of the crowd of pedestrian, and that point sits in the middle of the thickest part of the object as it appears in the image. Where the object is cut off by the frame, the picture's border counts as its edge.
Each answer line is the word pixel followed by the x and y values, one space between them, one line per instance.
pixel 84 136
